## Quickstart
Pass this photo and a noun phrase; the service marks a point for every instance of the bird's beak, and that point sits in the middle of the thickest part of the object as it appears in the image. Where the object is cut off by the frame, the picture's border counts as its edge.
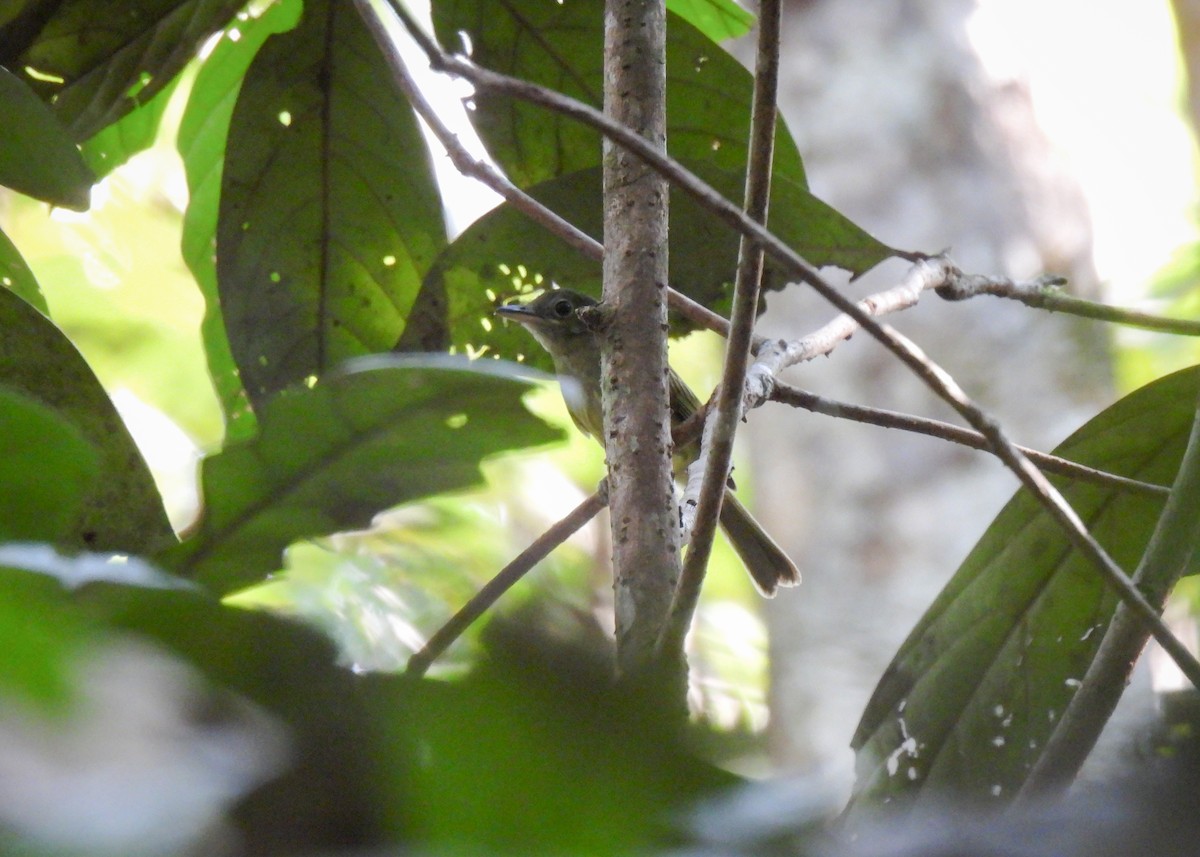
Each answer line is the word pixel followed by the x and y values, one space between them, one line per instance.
pixel 517 312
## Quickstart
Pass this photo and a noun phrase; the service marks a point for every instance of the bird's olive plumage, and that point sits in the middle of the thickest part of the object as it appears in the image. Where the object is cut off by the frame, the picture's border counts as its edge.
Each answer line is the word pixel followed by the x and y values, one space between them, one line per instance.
pixel 553 320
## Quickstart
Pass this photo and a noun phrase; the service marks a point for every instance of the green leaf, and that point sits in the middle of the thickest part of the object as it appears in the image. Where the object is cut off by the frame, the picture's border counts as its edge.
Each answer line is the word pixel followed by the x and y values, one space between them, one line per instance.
pixel 974 692
pixel 329 215
pixel 46 469
pixel 455 307
pixel 560 45
pixel 17 278
pixel 41 638
pixel 123 511
pixel 717 19
pixel 132 133
pixel 329 458
pixel 43 631
pixel 546 725
pixel 37 157
pixel 108 59
pixel 201 141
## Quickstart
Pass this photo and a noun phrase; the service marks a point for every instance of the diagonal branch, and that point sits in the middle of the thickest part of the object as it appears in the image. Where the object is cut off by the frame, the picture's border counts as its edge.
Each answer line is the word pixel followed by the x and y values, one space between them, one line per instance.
pixel 797 398
pixel 504 580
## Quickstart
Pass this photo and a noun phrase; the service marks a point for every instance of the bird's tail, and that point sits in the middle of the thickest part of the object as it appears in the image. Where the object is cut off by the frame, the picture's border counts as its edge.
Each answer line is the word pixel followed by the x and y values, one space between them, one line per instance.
pixel 767 563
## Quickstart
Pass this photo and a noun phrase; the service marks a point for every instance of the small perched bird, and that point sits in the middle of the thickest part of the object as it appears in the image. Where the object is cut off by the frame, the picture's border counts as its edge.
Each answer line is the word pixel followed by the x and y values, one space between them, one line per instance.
pixel 553 319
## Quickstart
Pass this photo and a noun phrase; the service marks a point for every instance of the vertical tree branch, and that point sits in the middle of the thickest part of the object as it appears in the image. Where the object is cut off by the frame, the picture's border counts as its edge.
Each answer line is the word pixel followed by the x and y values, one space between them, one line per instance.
pixel 637 432
pixel 737 349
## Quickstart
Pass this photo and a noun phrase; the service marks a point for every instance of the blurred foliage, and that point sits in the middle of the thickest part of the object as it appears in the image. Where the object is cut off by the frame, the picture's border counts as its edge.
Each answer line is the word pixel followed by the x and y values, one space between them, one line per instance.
pixel 372 499
pixel 1176 292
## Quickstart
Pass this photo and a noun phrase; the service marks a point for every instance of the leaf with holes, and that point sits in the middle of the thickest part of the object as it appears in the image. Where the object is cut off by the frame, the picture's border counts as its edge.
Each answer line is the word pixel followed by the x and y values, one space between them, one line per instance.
pixel 387 431
pixel 973 694
pixel 97 60
pixel 561 46
pixel 201 141
pixel 462 289
pixel 329 213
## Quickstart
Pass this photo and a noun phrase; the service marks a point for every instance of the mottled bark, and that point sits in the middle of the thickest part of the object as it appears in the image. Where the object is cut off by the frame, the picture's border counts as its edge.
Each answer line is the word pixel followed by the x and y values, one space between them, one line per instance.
pixel 637 434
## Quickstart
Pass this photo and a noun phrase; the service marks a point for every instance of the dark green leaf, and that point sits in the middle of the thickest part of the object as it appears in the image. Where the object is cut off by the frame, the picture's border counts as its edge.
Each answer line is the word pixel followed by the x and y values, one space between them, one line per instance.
pixel 46 470
pixel 37 156
pixel 461 291
pixel 560 45
pixel 124 510
pixel 17 278
pixel 108 58
pixel 201 141
pixel 558 759
pixel 329 212
pixel 970 698
pixel 329 458
pixel 717 19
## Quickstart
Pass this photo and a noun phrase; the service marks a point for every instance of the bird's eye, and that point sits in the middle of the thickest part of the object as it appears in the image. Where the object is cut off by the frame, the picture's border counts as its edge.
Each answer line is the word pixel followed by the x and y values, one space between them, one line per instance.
pixel 562 308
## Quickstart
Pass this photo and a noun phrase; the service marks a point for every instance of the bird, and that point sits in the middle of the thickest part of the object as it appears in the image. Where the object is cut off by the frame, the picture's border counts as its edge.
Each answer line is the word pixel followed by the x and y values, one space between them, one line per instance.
pixel 553 319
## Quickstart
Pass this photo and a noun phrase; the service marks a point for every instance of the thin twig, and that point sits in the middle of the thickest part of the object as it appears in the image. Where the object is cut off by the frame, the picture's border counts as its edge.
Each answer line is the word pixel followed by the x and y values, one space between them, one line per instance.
pixel 716 449
pixel 504 580
pixel 797 398
pixel 1045 293
pixel 775 356
pixel 932 375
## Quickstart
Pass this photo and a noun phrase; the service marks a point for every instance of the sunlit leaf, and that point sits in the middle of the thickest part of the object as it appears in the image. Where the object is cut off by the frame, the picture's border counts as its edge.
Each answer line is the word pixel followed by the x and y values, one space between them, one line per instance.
pixel 480 268
pixel 717 19
pixel 973 694
pixel 17 278
pixel 37 156
pixel 98 61
pixel 46 470
pixel 201 142
pixel 132 133
pixel 124 510
pixel 329 212
pixel 560 45
pixel 331 457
